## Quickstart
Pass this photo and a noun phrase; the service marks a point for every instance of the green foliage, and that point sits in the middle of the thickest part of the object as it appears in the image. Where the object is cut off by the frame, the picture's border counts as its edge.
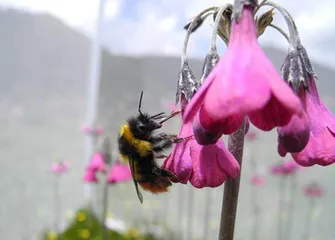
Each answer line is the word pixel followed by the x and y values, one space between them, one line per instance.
pixel 86 226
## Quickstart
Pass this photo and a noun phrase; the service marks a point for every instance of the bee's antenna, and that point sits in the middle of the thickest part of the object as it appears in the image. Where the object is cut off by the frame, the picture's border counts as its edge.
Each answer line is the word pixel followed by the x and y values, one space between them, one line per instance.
pixel 140 103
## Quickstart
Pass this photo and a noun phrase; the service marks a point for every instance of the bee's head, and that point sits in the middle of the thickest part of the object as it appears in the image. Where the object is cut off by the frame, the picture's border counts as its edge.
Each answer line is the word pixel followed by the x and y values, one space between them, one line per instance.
pixel 147 124
pixel 143 124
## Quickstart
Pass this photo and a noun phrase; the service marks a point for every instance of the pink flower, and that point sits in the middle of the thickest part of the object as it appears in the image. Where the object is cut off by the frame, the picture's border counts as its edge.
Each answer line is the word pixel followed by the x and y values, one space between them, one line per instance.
pixel 60 167
pixel 286 168
pixel 98 131
pixel 244 82
pixel 257 180
pixel 320 148
pixel 119 173
pixel 85 128
pixel 290 166
pixel 313 190
pixel 202 166
pixel 90 176
pixel 294 136
pixel 251 136
pixel 97 162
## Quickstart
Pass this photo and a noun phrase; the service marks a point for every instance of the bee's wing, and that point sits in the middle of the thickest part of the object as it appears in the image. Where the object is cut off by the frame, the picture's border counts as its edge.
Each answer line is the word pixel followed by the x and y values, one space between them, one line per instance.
pixel 132 168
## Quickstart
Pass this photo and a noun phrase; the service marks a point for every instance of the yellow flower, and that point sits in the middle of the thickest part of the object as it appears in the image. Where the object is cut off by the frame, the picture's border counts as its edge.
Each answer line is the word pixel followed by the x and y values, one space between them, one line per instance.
pixel 81 216
pixel 132 233
pixel 84 233
pixel 52 236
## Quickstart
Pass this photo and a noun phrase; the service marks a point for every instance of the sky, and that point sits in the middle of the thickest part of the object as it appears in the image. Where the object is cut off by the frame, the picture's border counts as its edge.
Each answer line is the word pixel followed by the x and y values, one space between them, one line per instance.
pixel 137 27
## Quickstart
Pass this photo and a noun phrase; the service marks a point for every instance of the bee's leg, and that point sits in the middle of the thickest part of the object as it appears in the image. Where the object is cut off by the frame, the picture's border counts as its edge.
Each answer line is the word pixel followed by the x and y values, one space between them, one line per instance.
pixel 162 145
pixel 179 140
pixel 159 137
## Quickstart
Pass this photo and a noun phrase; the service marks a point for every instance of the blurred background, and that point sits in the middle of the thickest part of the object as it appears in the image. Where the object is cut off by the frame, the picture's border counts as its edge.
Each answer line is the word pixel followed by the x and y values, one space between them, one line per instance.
pixel 47 67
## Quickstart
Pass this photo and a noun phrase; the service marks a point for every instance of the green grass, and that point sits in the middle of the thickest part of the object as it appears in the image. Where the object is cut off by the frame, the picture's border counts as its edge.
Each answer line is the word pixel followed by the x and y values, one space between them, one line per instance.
pixel 86 226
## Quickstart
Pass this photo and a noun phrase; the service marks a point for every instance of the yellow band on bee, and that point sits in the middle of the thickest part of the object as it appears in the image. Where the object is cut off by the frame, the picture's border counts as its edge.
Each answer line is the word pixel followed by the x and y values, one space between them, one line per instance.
pixel 143 147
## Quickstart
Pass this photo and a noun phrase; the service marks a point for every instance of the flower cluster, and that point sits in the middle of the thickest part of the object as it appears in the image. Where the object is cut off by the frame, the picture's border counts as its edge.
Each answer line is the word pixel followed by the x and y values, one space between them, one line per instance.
pixel 101 162
pixel 119 172
pixel 243 86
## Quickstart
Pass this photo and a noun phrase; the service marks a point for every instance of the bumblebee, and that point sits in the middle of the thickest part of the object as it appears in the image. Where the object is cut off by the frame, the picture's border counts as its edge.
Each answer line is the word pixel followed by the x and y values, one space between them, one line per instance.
pixel 140 147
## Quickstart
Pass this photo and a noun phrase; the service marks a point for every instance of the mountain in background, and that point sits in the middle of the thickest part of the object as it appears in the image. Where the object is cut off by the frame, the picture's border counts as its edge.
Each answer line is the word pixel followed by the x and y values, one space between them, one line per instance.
pixel 44 69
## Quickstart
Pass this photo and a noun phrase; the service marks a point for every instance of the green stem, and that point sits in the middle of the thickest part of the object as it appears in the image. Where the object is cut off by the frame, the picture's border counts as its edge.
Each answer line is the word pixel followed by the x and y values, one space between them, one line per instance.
pixel 231 188
pixel 104 211
pixel 57 202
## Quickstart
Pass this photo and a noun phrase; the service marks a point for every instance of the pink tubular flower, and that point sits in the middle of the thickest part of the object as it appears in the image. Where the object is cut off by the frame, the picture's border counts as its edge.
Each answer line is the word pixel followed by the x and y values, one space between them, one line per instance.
pixel 97 162
pixel 244 82
pixel 251 136
pixel 313 190
pixel 90 176
pixel 60 167
pixel 97 131
pixel 257 180
pixel 203 166
pixel 320 148
pixel 286 168
pixel 119 173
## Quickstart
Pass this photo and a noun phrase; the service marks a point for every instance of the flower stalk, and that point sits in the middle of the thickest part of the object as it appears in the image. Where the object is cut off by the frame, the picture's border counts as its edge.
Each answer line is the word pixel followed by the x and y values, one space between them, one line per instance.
pixel 104 211
pixel 293 184
pixel 281 207
pixel 57 206
pixel 308 224
pixel 231 188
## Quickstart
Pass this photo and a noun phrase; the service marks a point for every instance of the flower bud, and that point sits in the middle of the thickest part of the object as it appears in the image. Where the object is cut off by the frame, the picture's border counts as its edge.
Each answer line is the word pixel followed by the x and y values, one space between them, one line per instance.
pixel 187 85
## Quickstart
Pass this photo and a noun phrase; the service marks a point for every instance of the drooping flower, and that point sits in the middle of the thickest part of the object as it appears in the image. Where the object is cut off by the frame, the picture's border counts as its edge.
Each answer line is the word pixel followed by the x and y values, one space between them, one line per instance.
pixel 310 138
pixel 202 166
pixel 320 148
pixel 119 173
pixel 90 176
pixel 97 162
pixel 60 167
pixel 239 86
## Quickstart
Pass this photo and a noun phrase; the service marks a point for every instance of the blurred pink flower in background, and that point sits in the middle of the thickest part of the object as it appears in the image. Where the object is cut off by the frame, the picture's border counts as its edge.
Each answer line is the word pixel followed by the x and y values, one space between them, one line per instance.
pixel 286 168
pixel 119 173
pixel 257 180
pixel 97 131
pixel 97 163
pixel 251 136
pixel 90 176
pixel 313 190
pixel 60 167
